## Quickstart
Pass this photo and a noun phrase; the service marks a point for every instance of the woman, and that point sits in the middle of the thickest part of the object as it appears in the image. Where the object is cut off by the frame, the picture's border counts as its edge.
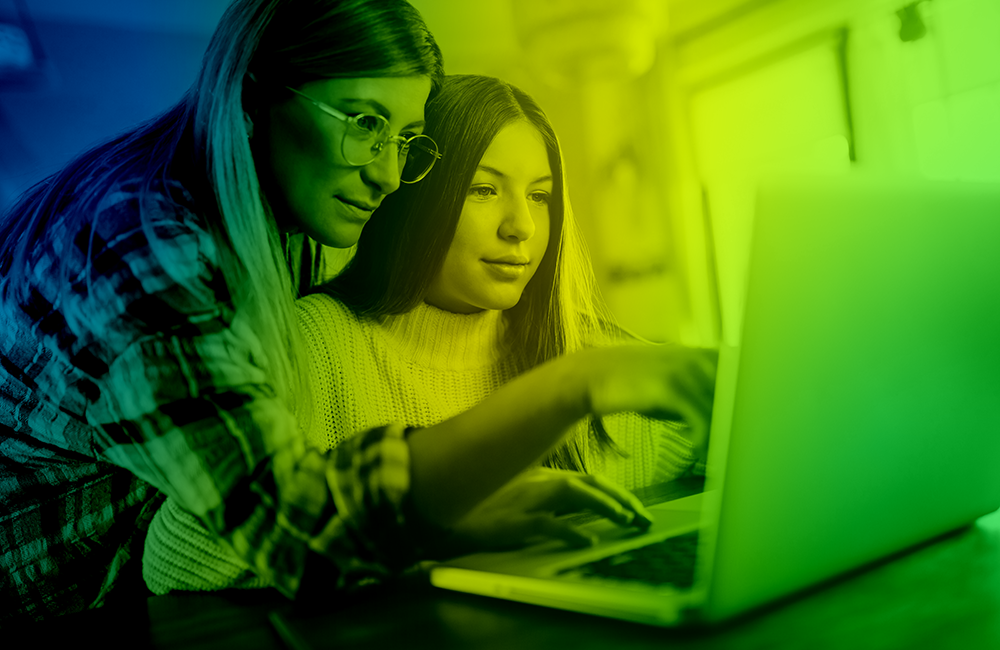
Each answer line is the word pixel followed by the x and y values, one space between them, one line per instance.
pixel 459 285
pixel 149 345
pixel 148 328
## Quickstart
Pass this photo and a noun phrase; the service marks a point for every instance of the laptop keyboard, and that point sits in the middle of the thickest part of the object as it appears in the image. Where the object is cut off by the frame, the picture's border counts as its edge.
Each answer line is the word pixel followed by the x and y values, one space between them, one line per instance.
pixel 671 561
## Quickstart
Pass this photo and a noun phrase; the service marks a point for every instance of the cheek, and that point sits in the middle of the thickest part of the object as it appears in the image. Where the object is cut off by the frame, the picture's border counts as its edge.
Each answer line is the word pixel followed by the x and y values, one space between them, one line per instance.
pixel 543 228
pixel 468 239
pixel 301 156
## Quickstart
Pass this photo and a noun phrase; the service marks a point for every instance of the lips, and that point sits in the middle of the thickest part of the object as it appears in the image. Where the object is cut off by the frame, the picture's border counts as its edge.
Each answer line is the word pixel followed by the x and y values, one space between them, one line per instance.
pixel 361 205
pixel 513 260
pixel 506 269
pixel 357 211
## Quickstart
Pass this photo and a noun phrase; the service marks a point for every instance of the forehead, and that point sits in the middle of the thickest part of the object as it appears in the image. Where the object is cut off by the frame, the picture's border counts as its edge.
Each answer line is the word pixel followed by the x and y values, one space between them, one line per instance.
pixel 518 150
pixel 403 98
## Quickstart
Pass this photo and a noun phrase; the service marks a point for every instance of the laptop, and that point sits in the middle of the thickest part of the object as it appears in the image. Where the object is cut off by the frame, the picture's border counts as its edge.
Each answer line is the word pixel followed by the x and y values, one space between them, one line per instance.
pixel 856 414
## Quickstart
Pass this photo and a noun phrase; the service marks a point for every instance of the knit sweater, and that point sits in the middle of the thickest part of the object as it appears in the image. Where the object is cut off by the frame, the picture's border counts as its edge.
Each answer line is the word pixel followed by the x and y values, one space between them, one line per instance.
pixel 428 365
pixel 419 368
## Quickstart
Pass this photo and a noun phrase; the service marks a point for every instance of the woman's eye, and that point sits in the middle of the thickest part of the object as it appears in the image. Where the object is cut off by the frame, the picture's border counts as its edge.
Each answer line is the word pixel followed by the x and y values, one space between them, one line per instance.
pixel 482 191
pixel 367 123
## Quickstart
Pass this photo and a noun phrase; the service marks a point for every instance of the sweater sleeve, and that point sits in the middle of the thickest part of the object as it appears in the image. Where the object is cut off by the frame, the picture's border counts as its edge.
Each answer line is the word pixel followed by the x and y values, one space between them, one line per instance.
pixel 655 451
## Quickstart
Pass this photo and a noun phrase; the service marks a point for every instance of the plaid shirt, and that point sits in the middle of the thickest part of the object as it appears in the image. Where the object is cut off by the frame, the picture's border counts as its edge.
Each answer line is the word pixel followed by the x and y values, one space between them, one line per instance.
pixel 140 381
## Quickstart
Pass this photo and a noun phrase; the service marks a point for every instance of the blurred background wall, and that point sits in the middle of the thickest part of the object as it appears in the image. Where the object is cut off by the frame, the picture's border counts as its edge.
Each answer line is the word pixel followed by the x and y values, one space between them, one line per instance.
pixel 97 68
pixel 668 111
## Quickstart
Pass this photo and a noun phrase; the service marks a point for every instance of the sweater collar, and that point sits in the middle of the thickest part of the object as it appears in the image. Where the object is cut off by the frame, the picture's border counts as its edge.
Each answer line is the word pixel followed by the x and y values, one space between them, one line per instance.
pixel 434 338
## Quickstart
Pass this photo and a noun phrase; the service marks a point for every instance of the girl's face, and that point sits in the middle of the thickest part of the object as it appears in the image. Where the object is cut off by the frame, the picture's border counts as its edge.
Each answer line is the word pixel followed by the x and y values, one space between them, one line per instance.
pixel 503 230
pixel 298 152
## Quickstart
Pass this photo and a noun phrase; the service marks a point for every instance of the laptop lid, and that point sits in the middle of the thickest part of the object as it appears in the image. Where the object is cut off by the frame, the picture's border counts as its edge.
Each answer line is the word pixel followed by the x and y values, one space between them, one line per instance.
pixel 855 416
pixel 860 412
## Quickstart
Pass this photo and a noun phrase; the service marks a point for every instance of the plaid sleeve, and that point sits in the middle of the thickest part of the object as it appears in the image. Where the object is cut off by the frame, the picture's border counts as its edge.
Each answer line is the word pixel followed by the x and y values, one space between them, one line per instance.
pixel 191 412
pixel 365 534
pixel 143 365
pixel 376 531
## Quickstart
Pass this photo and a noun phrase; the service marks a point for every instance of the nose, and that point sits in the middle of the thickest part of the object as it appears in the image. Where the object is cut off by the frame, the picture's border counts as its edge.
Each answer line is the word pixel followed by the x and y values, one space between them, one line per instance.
pixel 382 173
pixel 518 225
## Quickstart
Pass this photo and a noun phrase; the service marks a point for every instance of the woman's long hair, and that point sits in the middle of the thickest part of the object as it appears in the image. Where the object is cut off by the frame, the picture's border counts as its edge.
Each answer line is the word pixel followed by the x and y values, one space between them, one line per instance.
pixel 403 247
pixel 202 143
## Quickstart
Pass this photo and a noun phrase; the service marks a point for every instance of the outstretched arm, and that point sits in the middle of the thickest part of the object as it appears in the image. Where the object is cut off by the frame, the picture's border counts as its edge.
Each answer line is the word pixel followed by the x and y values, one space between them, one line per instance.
pixel 458 463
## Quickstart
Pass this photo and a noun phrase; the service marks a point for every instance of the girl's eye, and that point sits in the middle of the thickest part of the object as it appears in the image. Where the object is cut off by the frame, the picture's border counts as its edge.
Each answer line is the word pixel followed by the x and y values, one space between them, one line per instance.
pixel 539 197
pixel 482 191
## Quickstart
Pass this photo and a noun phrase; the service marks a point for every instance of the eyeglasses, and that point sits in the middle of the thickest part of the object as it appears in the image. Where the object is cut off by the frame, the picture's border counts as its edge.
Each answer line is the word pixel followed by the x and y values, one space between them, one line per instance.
pixel 365 136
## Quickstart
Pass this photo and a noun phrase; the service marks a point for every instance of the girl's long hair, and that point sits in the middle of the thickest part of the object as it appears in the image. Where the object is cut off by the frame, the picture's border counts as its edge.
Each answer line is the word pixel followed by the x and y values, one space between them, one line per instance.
pixel 404 245
pixel 202 143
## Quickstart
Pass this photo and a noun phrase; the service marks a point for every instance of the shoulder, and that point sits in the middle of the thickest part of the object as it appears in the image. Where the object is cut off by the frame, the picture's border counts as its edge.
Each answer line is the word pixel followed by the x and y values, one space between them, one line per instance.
pixel 135 257
pixel 121 213
pixel 163 240
pixel 126 222
pixel 161 197
pixel 323 305
pixel 328 323
pixel 324 309
pixel 159 221
pixel 125 279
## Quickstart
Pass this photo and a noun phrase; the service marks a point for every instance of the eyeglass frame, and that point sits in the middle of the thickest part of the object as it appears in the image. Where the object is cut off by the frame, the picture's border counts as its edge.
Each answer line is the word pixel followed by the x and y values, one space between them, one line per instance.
pixel 352 120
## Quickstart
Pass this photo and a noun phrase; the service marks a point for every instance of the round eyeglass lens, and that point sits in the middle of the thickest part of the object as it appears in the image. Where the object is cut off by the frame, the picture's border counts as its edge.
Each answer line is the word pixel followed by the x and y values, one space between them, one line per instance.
pixel 416 158
pixel 362 138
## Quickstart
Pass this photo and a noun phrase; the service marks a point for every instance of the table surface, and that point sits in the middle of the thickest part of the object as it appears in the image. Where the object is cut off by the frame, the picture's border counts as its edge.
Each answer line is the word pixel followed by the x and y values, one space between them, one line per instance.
pixel 942 594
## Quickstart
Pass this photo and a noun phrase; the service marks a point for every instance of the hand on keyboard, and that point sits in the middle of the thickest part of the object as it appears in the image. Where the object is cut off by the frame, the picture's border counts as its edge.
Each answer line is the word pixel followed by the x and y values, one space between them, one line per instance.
pixel 525 511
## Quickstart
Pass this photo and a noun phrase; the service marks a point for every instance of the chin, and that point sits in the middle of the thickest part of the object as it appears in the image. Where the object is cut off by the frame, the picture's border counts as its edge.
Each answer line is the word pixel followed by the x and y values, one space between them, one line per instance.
pixel 500 304
pixel 343 237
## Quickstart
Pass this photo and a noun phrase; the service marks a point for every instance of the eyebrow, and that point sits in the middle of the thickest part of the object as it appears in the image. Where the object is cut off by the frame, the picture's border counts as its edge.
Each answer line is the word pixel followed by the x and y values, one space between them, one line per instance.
pixel 496 172
pixel 383 111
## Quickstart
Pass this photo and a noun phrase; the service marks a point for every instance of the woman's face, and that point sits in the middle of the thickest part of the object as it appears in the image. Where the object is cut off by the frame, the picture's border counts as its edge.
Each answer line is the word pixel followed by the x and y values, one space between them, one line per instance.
pixel 297 150
pixel 503 230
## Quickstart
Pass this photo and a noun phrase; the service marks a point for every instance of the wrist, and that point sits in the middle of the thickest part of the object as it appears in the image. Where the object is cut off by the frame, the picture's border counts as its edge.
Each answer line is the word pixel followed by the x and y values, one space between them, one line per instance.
pixel 573 377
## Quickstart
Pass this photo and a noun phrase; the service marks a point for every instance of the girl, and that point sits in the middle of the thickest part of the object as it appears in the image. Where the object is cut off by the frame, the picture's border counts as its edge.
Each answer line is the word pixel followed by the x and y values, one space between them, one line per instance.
pixel 479 271
pixel 458 286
